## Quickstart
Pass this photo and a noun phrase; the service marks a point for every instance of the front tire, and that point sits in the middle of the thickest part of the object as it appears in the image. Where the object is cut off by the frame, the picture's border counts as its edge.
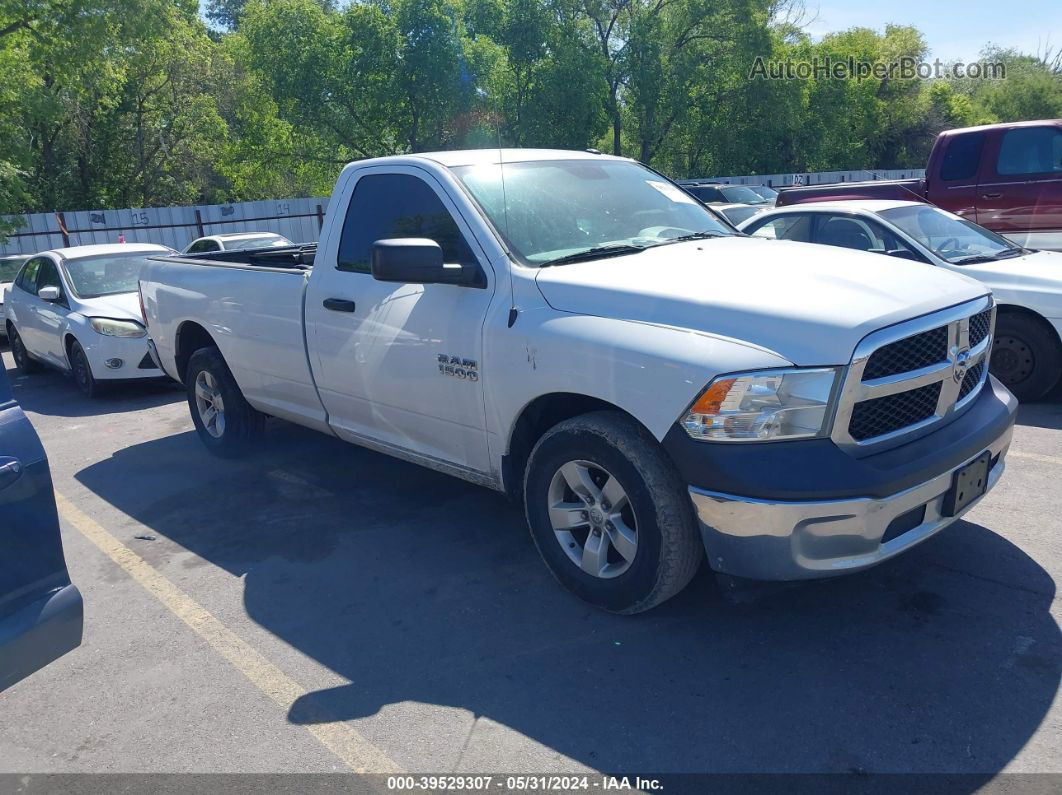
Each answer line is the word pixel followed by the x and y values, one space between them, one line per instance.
pixel 225 421
pixel 82 372
pixel 609 514
pixel 1025 356
pixel 25 365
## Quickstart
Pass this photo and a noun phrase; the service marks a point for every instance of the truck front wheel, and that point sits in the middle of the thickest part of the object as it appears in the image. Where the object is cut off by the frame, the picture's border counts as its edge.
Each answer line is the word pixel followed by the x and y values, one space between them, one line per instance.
pixel 224 420
pixel 609 514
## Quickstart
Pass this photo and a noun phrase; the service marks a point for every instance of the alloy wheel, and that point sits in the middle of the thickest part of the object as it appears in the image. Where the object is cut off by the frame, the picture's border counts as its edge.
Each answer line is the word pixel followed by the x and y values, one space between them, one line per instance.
pixel 592 519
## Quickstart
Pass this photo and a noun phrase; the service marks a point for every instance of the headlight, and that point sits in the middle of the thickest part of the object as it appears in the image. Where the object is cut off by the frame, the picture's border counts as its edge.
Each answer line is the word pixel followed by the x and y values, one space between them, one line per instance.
pixel 118 328
pixel 771 404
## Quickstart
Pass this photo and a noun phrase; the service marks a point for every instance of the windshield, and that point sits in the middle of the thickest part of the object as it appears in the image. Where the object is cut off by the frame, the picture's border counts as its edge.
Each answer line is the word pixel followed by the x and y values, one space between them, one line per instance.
pixel 766 192
pixel 737 215
pixel 265 241
pixel 739 194
pixel 9 268
pixel 551 209
pixel 948 236
pixel 110 274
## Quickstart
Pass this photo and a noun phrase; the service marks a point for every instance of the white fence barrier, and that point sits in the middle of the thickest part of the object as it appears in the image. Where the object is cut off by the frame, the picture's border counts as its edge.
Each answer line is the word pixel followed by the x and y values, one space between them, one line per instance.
pixel 821 177
pixel 297 219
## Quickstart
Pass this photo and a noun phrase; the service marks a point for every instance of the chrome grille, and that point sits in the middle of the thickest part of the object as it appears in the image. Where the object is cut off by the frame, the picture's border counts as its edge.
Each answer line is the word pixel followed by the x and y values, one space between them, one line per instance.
pixel 980 327
pixel 971 379
pixel 879 416
pixel 905 379
pixel 910 353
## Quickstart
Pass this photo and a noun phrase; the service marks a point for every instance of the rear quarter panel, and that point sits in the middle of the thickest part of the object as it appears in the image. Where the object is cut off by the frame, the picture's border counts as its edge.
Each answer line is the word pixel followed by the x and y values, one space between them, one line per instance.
pixel 255 317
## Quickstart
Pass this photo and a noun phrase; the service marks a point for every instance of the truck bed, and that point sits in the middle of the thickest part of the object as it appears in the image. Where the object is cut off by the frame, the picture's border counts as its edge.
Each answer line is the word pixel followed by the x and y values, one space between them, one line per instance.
pixel 251 304
pixel 295 257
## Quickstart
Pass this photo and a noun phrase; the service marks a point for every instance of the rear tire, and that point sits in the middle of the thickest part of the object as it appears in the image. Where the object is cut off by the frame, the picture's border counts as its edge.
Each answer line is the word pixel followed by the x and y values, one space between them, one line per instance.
pixel 82 371
pixel 1026 356
pixel 26 365
pixel 626 555
pixel 223 418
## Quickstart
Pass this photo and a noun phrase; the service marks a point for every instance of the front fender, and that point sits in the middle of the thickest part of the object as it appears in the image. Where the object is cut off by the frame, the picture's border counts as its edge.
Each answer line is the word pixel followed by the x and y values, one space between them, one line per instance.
pixel 652 372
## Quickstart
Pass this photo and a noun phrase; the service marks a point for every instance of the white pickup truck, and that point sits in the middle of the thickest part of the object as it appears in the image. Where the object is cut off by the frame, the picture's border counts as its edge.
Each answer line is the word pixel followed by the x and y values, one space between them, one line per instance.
pixel 575 330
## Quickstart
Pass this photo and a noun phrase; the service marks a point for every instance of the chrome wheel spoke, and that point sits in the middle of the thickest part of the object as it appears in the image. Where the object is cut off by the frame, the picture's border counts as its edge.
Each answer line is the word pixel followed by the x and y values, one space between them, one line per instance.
pixel 577 476
pixel 201 391
pixel 595 554
pixel 613 494
pixel 566 515
pixel 622 538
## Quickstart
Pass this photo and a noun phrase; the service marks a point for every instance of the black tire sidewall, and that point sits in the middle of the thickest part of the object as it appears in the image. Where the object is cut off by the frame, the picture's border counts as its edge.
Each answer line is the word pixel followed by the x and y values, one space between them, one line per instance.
pixel 25 364
pixel 617 594
pixel 87 386
pixel 239 416
pixel 1047 358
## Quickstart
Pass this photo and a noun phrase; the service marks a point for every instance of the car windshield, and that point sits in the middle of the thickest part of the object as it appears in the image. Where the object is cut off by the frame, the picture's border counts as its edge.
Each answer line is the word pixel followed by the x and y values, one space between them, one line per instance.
pixel 770 194
pixel 739 194
pixel 109 274
pixel 552 209
pixel 264 241
pixel 737 215
pixel 9 268
pixel 950 237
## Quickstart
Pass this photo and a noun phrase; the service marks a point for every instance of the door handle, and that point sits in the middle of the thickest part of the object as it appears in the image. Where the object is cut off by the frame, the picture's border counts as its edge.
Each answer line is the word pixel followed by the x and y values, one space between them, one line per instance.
pixel 338 304
pixel 991 195
pixel 10 470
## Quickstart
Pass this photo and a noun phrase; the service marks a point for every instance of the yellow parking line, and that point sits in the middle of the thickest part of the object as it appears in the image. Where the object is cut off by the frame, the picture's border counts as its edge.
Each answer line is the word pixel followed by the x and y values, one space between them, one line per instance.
pixel 1047 459
pixel 352 749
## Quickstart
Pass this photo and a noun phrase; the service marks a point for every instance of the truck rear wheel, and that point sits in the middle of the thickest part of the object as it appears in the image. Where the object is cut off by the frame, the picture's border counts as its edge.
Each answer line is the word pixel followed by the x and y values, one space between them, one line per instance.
pixel 609 514
pixel 223 418
pixel 1025 356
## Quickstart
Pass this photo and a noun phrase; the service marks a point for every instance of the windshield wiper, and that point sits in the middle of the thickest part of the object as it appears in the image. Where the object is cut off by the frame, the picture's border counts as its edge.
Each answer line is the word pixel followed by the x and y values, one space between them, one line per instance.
pixel 597 252
pixel 695 236
pixel 1006 253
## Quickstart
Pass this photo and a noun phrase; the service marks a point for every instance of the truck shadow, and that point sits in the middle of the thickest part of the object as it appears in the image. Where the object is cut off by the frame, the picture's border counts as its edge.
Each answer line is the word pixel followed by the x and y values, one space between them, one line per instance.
pixel 55 394
pixel 415 587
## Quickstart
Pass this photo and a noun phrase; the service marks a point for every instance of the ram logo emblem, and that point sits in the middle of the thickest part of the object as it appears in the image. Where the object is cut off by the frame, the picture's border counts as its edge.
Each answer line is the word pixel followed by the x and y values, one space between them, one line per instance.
pixel 458 367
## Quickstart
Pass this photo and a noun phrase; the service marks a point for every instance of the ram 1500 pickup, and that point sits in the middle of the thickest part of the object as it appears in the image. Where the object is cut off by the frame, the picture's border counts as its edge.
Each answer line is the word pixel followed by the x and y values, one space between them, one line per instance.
pixel 577 331
pixel 1006 177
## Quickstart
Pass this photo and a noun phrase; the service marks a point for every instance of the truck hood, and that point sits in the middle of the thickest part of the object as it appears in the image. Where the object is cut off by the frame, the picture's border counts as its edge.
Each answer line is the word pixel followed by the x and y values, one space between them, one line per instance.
pixel 809 304
pixel 122 306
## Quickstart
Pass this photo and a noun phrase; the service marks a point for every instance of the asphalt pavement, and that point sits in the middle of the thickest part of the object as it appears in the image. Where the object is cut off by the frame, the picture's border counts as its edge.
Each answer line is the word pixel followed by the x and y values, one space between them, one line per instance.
pixel 318 607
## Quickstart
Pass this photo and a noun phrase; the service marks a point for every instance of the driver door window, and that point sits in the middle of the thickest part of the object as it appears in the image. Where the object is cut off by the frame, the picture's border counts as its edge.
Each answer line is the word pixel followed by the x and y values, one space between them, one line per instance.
pixel 397 205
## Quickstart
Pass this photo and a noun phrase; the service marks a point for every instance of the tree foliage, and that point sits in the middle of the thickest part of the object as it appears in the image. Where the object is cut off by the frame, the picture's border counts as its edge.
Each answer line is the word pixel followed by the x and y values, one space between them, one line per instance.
pixel 138 102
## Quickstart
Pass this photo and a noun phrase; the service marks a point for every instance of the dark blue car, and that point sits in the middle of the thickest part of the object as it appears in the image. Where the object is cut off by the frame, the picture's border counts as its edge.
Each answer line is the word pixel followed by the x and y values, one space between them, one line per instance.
pixel 41 612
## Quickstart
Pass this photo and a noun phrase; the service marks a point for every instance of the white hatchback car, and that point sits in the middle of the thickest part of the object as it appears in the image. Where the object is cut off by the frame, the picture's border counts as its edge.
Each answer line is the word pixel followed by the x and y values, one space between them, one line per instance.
pixel 236 241
pixel 78 309
pixel 1027 284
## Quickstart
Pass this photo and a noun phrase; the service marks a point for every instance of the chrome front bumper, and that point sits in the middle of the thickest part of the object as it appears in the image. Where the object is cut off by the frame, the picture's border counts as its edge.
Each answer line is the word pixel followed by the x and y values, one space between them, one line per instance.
pixel 780 540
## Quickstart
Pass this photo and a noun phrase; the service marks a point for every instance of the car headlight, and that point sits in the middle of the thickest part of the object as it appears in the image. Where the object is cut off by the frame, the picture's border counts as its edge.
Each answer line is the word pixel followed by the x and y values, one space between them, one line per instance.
pixel 762 406
pixel 117 328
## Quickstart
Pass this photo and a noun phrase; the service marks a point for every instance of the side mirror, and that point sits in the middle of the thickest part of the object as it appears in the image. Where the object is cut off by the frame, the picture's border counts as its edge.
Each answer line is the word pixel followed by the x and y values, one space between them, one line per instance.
pixel 49 294
pixel 417 260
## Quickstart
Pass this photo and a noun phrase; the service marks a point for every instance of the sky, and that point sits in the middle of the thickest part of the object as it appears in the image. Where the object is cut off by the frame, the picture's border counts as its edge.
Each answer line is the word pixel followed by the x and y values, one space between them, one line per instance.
pixel 953 30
